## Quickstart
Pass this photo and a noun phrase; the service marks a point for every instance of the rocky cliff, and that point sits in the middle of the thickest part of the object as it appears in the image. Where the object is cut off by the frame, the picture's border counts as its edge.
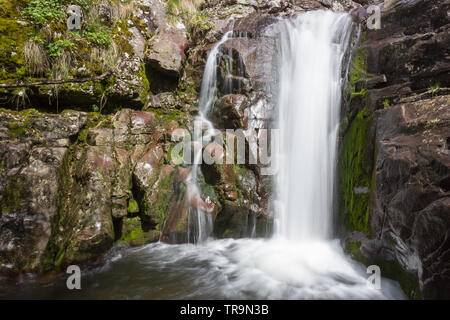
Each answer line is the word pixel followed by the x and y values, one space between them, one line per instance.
pixel 395 163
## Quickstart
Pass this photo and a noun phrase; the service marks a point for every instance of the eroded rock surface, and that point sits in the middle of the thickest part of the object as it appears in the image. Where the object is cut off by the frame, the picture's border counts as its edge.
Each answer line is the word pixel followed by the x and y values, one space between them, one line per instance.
pixel 395 151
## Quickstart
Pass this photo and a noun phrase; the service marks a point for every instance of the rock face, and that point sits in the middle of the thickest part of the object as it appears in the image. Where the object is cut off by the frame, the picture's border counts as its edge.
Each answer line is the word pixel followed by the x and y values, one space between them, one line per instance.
pixel 396 148
pixel 33 150
pixel 412 203
pixel 165 55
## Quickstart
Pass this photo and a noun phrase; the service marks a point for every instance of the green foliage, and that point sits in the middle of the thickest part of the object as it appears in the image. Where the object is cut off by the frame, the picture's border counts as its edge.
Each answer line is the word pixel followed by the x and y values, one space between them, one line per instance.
pixel 98 34
pixel 356 171
pixel 85 4
pixel 172 5
pixel 42 11
pixel 55 48
pixel 386 103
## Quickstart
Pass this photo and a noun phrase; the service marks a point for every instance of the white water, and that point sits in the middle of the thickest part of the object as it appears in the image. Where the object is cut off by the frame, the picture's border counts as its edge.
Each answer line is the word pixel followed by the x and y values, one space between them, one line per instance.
pixel 309 99
pixel 208 95
pixel 300 261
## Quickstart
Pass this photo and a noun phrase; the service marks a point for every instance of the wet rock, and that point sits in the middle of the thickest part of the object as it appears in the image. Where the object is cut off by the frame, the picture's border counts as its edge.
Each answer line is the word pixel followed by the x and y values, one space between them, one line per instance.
pixel 228 112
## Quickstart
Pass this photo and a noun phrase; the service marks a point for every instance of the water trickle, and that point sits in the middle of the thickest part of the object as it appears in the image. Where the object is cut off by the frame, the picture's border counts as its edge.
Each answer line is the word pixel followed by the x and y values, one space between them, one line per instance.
pixel 200 223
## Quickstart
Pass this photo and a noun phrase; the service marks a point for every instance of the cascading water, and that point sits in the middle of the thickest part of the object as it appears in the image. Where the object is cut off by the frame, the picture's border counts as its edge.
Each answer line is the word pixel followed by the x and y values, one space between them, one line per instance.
pixel 300 261
pixel 202 224
pixel 312 50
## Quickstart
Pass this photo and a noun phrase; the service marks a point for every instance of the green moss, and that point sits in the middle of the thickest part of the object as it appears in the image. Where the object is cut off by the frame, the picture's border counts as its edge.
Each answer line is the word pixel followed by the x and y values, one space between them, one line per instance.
pixel 12 38
pixel 358 74
pixel 133 206
pixel 356 171
pixel 165 116
pixel 12 196
pixel 135 235
pixel 157 210
pixel 15 130
pixel 56 249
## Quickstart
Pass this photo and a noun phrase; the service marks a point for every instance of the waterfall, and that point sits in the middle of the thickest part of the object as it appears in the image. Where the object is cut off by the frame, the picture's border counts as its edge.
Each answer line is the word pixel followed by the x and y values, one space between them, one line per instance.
pixel 312 49
pixel 202 225
pixel 300 261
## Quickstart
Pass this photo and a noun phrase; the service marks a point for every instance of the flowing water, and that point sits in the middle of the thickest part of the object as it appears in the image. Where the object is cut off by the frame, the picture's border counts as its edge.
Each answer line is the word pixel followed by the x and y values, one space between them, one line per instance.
pixel 301 261
pixel 203 224
pixel 311 67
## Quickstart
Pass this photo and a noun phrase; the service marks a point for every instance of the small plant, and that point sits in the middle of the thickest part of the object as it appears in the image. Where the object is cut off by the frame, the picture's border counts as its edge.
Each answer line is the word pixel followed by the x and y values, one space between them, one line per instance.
pixel 56 48
pixel 42 11
pixel 95 108
pixel 98 34
pixel 435 86
pixel 362 92
pixel 386 103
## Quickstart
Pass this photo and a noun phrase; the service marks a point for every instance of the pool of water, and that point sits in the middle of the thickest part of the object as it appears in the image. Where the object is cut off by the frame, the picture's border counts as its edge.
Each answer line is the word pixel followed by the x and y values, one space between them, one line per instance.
pixel 218 269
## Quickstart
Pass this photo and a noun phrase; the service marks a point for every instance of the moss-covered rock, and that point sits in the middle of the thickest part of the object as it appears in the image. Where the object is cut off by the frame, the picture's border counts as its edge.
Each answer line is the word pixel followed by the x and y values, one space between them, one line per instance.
pixel 356 171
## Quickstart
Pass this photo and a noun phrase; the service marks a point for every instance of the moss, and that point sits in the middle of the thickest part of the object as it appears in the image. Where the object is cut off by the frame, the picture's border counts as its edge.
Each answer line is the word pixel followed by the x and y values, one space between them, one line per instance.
pixel 15 129
pixel 389 269
pixel 55 251
pixel 133 206
pixel 12 196
pixel 358 74
pixel 356 171
pixel 145 83
pixel 135 235
pixel 12 38
pixel 157 210
pixel 165 116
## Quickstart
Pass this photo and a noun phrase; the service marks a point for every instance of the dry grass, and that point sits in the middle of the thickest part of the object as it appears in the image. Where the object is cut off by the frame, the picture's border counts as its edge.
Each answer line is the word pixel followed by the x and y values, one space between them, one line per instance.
pixel 184 6
pixel 190 6
pixel 35 58
pixel 106 57
pixel 62 65
pixel 123 11
pixel 187 10
pixel 118 11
